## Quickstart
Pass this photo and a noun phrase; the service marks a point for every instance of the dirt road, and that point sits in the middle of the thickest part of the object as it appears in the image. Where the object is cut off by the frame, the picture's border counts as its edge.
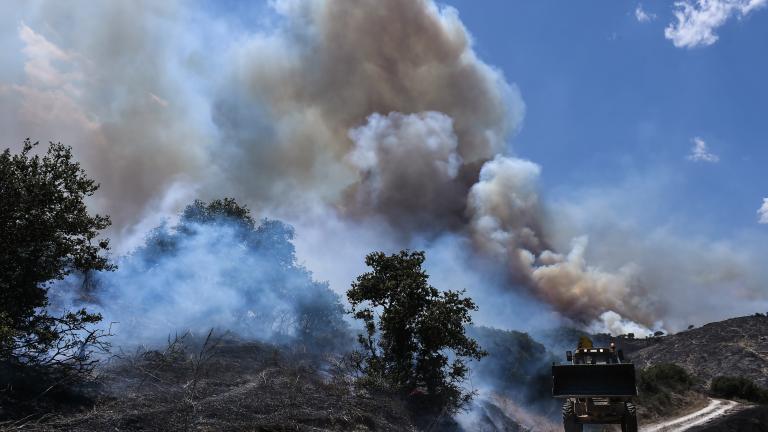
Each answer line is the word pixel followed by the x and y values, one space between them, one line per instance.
pixel 715 409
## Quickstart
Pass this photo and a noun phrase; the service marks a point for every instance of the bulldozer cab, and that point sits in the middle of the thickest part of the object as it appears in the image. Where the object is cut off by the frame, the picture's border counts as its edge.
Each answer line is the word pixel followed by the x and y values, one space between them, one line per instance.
pixel 595 356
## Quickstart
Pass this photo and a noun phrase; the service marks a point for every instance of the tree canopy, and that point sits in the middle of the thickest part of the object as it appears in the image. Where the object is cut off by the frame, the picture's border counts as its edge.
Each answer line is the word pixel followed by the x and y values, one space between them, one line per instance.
pixel 415 337
pixel 46 232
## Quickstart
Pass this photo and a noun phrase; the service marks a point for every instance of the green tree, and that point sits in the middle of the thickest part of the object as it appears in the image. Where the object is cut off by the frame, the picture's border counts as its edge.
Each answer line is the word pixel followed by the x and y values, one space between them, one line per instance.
pixel 46 233
pixel 218 211
pixel 415 339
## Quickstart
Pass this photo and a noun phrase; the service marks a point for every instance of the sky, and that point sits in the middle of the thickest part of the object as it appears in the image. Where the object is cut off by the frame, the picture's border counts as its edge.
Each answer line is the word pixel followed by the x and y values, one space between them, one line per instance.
pixel 611 100
pixel 599 162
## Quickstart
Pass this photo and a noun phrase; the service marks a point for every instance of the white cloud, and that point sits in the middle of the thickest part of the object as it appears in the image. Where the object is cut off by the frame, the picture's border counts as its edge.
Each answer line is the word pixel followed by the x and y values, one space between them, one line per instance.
pixel 697 21
pixel 762 212
pixel 643 16
pixel 700 152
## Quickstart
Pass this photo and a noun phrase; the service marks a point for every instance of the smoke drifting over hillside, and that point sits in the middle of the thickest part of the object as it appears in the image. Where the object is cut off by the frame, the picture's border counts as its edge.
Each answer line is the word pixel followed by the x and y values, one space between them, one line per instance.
pixel 212 272
pixel 419 124
pixel 372 117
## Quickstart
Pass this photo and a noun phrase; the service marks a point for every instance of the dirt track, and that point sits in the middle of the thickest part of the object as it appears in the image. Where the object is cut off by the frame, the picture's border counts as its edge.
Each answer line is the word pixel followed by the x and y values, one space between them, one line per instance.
pixel 715 409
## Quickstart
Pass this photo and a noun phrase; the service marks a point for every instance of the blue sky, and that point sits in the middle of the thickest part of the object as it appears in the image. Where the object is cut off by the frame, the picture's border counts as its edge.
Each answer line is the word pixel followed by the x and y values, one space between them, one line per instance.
pixel 610 100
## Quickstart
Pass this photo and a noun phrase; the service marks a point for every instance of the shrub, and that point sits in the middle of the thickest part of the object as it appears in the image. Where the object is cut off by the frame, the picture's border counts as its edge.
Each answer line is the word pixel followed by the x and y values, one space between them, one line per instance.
pixel 660 387
pixel 665 376
pixel 738 387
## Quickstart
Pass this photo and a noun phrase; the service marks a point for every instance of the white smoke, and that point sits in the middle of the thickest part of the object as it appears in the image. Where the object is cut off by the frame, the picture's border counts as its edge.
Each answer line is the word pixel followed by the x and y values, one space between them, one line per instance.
pixel 374 120
pixel 408 166
pixel 584 291
pixel 506 217
pixel 612 323
pixel 287 109
pixel 222 275
pixel 504 209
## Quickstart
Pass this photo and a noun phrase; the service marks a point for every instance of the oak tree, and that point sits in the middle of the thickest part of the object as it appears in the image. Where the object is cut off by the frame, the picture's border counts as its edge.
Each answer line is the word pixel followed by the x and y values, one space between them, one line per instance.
pixel 414 337
pixel 46 233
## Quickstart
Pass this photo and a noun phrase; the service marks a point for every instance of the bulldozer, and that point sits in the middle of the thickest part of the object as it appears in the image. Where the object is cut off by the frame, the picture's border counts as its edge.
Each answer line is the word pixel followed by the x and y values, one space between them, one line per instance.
pixel 598 387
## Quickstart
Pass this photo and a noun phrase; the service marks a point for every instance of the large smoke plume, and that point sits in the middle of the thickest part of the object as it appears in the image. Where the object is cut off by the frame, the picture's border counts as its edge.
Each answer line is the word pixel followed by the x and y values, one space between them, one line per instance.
pixel 375 120
pixel 420 126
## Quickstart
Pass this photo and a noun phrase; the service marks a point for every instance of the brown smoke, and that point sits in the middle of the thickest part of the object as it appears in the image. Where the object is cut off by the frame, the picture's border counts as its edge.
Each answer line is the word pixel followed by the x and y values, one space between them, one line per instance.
pixel 343 61
pixel 380 109
pixel 506 222
pixel 97 77
pixel 385 109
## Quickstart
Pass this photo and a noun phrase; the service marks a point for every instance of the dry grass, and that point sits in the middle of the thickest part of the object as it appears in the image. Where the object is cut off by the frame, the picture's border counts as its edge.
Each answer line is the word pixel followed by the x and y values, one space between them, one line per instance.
pixel 223 384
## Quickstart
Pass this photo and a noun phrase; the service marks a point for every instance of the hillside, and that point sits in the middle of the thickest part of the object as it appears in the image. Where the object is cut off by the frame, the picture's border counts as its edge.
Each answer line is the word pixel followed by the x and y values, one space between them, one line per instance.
pixel 235 385
pixel 751 419
pixel 239 385
pixel 231 385
pixel 735 347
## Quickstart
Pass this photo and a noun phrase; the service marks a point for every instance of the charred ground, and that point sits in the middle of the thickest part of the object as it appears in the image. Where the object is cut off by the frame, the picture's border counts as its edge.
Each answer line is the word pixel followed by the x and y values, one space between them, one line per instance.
pixel 223 385
pixel 734 347
pixel 231 384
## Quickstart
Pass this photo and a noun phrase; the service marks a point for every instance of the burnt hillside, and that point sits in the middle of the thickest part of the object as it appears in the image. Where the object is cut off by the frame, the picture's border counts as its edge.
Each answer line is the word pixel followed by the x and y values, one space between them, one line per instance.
pixel 734 347
pixel 225 385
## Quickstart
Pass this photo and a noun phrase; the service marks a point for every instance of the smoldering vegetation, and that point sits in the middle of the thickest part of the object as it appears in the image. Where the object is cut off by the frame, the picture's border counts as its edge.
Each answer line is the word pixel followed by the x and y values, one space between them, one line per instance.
pixel 220 382
pixel 213 268
pixel 517 367
pixel 216 327
pixel 253 340
pixel 213 325
pixel 402 130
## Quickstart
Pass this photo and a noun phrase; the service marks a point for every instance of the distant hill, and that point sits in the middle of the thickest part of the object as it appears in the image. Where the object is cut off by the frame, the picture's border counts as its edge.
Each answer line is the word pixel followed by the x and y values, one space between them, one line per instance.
pixel 734 347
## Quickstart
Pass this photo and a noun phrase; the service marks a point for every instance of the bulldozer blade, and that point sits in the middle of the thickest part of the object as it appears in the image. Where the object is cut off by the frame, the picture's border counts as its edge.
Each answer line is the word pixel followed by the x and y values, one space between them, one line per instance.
pixel 602 380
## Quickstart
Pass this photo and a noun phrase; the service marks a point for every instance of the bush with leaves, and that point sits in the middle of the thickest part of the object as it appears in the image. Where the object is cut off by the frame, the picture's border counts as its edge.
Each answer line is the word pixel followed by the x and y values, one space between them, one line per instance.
pixel 415 339
pixel 665 376
pixel 738 387
pixel 46 233
pixel 664 389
